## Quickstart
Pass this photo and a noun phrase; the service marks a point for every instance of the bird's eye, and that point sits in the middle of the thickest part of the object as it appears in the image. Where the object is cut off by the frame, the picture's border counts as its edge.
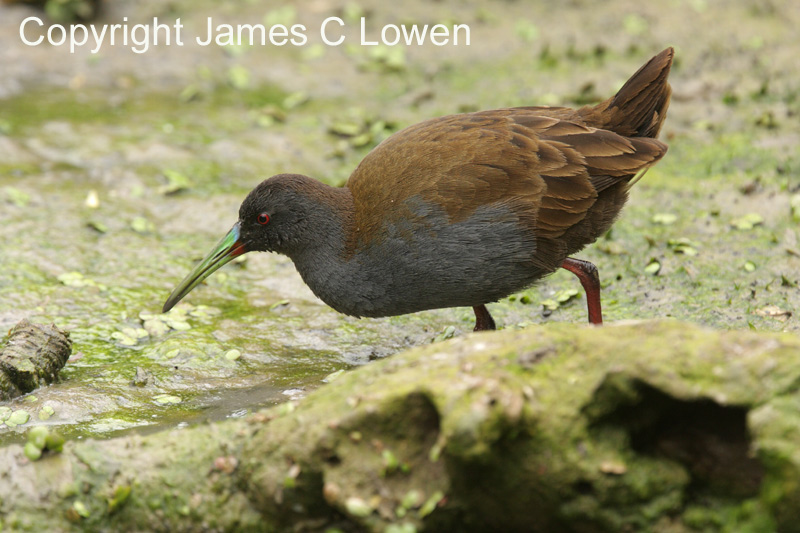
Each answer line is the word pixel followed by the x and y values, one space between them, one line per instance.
pixel 262 219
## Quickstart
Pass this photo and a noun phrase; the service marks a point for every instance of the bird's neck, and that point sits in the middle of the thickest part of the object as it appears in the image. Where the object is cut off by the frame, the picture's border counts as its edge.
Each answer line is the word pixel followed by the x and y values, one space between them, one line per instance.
pixel 324 261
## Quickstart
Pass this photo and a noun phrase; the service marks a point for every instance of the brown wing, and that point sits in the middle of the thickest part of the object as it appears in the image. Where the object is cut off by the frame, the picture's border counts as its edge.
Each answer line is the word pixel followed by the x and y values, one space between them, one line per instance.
pixel 542 163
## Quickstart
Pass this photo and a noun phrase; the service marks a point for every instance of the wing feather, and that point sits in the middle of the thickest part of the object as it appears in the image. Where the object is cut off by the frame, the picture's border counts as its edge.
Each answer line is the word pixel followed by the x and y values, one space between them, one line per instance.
pixel 544 163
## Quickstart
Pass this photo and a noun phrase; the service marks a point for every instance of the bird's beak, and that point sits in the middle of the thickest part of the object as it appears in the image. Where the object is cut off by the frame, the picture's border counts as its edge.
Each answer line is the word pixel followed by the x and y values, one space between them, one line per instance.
pixel 226 250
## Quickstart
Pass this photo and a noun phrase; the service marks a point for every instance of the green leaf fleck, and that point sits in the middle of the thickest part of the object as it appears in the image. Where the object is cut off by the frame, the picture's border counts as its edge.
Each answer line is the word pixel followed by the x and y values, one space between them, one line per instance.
pixel 141 225
pixel 176 182
pixel 81 509
pixel 17 418
pixel 683 246
pixel 38 436
pixel 167 399
pixel 665 219
pixel 357 507
pixel 747 222
pixel 652 268
pixel 239 77
pixel 32 452
pixel 446 333
pixel 431 503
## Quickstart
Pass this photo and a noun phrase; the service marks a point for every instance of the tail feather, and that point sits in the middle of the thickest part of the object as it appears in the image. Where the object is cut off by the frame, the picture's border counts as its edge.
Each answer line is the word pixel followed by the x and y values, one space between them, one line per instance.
pixel 640 106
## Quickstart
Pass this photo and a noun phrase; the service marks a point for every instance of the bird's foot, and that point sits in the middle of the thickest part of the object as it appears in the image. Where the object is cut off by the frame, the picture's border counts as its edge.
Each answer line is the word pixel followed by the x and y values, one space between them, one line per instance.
pixel 590 279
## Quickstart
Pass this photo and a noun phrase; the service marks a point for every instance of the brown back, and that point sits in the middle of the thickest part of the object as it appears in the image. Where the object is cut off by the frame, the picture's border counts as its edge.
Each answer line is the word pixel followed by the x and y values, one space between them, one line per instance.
pixel 548 165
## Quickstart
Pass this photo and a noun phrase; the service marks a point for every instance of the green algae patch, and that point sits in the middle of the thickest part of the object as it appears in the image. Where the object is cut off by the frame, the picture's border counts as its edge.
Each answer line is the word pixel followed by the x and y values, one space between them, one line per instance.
pixel 100 107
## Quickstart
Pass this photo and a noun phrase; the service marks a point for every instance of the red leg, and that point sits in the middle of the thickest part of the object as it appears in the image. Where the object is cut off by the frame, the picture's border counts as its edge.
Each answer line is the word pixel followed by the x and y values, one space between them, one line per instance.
pixel 590 279
pixel 483 320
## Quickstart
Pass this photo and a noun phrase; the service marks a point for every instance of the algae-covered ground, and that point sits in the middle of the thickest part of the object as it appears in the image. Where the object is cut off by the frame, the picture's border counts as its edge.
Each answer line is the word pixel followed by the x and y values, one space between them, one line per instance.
pixel 118 171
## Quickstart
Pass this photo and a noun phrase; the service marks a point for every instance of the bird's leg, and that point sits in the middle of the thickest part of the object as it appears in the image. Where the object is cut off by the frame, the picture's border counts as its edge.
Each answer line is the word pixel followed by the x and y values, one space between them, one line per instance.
pixel 483 320
pixel 590 280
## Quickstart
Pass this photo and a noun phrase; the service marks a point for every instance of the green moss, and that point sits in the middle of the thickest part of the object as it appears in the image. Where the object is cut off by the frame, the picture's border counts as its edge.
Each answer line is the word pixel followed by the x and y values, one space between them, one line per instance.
pixel 556 418
pixel 93 107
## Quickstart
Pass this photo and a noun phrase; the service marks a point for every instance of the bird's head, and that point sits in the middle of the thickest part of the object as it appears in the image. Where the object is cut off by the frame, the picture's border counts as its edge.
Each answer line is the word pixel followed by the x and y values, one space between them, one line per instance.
pixel 273 218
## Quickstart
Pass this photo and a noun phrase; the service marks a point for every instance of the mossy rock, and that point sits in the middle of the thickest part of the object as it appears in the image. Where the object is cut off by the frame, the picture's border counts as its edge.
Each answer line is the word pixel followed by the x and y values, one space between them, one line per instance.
pixel 645 427
pixel 653 426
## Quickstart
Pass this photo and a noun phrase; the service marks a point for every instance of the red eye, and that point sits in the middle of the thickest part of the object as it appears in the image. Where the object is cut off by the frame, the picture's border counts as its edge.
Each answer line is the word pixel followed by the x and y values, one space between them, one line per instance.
pixel 262 219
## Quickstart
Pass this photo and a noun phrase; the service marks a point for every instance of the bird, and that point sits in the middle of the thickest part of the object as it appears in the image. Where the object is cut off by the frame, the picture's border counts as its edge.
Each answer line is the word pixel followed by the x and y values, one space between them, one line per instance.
pixel 460 210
